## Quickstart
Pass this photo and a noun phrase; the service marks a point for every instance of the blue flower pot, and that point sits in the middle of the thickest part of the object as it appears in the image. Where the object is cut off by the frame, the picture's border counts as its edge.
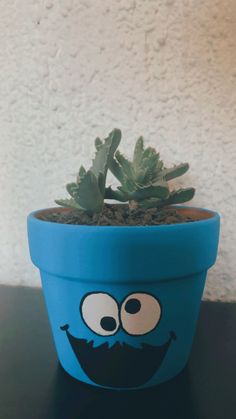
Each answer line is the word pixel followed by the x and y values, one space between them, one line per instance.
pixel 123 302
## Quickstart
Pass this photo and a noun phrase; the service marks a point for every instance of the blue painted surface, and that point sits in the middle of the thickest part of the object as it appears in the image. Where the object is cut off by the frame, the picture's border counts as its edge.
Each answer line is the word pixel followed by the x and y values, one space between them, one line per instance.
pixel 170 262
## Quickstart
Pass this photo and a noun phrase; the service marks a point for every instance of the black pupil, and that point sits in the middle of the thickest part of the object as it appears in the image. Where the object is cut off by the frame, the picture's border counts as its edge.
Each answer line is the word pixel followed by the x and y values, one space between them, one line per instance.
pixel 132 306
pixel 108 323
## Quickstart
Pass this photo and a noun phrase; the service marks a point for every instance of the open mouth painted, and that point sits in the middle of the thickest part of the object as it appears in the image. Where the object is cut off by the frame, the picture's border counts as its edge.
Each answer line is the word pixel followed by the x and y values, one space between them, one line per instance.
pixel 120 365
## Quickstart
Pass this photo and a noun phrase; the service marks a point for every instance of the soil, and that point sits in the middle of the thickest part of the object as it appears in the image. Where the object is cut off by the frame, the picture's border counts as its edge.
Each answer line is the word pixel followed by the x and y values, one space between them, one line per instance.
pixel 120 215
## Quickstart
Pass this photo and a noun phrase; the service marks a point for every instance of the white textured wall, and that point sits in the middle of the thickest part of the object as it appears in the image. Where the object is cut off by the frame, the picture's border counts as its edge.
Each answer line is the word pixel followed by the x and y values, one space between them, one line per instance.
pixel 72 70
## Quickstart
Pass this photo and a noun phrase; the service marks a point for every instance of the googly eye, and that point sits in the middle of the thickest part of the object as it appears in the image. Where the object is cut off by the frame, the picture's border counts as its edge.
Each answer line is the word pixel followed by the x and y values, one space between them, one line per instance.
pixel 100 313
pixel 140 313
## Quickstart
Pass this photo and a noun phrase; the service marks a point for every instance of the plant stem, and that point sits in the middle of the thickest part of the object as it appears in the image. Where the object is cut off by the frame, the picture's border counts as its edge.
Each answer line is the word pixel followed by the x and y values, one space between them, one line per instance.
pixel 133 205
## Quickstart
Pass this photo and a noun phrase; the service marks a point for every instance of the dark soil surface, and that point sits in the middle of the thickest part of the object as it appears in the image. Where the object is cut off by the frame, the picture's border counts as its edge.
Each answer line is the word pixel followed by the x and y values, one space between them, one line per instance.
pixel 118 215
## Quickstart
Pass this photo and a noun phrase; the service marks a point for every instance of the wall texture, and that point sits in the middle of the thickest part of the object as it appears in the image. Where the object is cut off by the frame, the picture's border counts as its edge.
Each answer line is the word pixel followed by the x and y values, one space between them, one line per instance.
pixel 72 70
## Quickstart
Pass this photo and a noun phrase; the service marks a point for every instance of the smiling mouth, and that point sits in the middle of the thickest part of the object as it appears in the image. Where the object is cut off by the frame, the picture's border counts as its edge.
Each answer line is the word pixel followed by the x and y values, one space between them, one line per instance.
pixel 120 365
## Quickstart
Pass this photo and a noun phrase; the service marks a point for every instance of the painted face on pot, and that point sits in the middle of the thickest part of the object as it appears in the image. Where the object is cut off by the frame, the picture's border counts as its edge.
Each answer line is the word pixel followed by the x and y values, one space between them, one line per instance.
pixel 118 363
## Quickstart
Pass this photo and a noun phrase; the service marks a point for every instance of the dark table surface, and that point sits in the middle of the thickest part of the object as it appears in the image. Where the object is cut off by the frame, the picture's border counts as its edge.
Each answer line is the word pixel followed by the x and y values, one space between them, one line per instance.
pixel 33 385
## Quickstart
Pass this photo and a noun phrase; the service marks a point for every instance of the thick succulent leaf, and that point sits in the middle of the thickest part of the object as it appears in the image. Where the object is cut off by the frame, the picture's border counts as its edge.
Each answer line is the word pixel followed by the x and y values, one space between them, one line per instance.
pixel 150 177
pixel 72 189
pixel 70 203
pixel 158 172
pixel 126 165
pixel 105 151
pixel 150 152
pixel 128 186
pixel 82 171
pixel 116 170
pixel 88 191
pixel 86 195
pixel 101 182
pixel 181 195
pixel 89 195
pixel 150 162
pixel 159 165
pixel 138 153
pixel 98 143
pixel 115 138
pixel 127 183
pixel 147 172
pixel 175 171
pixel 81 174
pixel 151 203
pixel 146 164
pixel 160 191
pixel 142 177
pixel 117 195
pixel 175 197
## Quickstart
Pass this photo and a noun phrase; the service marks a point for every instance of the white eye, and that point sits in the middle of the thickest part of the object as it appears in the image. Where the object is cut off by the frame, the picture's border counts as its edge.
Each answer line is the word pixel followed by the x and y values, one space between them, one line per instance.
pixel 140 313
pixel 100 313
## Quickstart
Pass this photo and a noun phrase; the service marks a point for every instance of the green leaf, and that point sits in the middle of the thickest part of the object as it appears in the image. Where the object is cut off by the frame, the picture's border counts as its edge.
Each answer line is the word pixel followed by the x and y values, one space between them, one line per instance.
pixel 180 196
pixel 138 152
pixel 128 186
pixel 89 194
pixel 126 165
pixel 141 177
pixel 150 162
pixel 115 138
pixel 151 203
pixel 159 165
pixel 175 197
pixel 104 154
pixel 116 170
pixel 175 171
pixel 89 189
pixel 70 203
pixel 81 174
pixel 72 189
pixel 82 171
pixel 117 195
pixel 150 152
pixel 98 143
pixel 101 182
pixel 160 191
pixel 150 177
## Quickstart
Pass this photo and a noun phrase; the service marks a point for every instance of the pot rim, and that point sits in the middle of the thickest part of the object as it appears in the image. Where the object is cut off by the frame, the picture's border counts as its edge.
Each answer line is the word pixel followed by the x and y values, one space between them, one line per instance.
pixel 161 251
pixel 208 217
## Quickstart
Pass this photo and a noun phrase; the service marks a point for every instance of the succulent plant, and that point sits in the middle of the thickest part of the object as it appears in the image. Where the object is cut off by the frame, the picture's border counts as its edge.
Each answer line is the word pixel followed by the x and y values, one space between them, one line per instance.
pixel 144 181
pixel 88 192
